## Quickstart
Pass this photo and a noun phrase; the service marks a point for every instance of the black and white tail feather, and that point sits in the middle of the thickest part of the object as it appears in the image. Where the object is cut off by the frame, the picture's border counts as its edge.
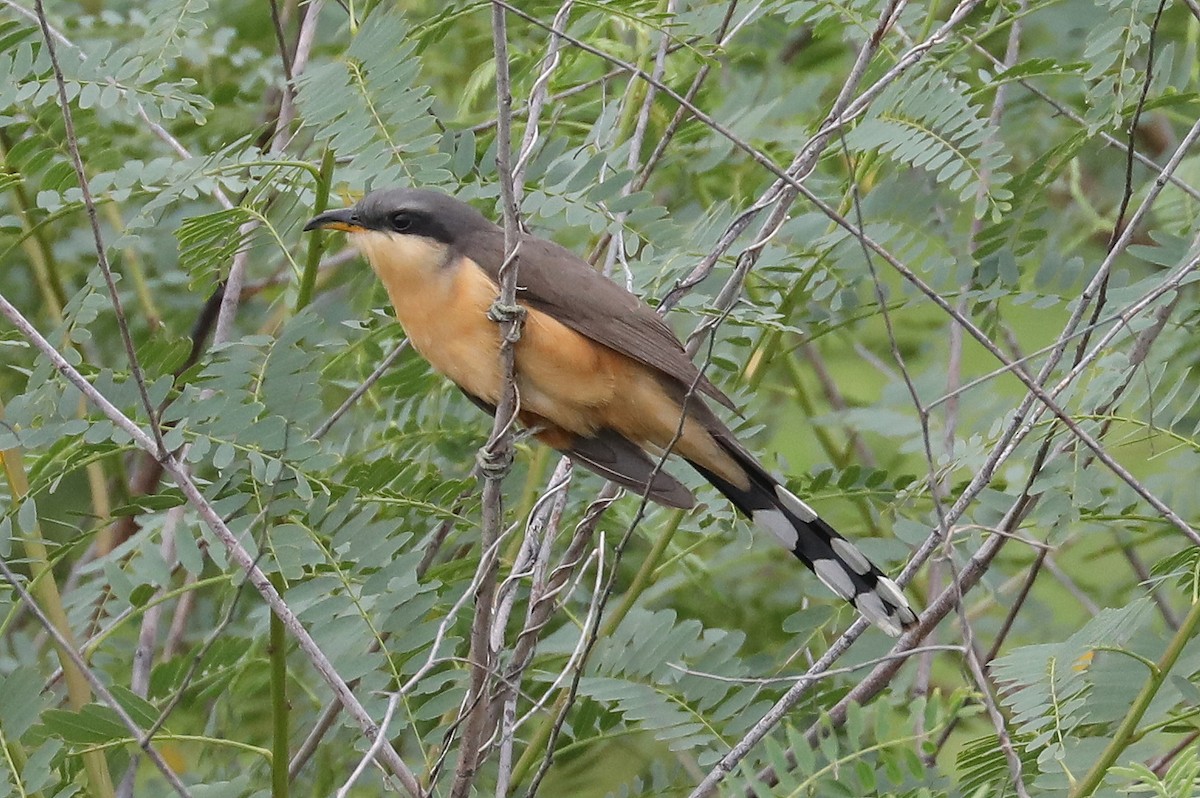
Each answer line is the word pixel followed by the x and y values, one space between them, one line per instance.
pixel 837 562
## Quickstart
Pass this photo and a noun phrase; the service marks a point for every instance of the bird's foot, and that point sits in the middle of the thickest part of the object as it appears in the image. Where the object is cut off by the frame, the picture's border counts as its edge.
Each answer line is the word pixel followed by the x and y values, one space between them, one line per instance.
pixel 494 465
pixel 500 313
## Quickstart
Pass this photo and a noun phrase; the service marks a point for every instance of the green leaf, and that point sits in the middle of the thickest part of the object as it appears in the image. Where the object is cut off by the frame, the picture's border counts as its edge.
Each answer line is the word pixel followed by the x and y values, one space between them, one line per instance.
pixel 21 700
pixel 93 725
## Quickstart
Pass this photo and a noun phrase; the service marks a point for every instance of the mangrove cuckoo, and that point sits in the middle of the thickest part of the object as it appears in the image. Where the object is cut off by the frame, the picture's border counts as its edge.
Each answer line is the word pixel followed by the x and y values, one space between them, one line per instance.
pixel 600 376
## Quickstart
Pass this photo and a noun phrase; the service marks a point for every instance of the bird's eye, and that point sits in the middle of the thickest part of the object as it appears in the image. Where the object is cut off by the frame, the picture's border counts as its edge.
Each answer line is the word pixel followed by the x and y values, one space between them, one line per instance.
pixel 402 222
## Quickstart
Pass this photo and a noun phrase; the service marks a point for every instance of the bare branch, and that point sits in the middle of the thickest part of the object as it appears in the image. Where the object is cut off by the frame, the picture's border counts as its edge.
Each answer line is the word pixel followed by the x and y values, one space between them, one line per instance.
pixel 828 674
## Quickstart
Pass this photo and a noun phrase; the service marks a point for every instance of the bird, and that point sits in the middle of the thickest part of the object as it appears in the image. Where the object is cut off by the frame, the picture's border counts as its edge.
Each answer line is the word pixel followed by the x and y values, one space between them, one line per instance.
pixel 601 377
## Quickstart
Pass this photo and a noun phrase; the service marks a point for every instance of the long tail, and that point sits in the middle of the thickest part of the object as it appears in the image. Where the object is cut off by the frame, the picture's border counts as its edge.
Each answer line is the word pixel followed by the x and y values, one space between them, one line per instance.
pixel 837 562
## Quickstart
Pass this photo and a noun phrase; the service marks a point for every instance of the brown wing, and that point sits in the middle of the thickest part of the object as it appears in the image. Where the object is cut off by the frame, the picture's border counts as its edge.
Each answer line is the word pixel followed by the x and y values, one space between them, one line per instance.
pixel 555 281
pixel 624 462
pixel 618 459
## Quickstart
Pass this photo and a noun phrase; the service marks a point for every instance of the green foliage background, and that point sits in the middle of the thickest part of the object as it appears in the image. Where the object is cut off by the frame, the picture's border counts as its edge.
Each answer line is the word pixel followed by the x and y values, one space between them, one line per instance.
pixel 993 166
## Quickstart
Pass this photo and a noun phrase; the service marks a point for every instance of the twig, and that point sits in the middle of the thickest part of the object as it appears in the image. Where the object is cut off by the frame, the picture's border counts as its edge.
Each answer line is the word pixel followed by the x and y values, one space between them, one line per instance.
pixel 577 652
pixel 1125 732
pixel 155 128
pixel 1118 245
pixel 369 756
pixel 779 710
pixel 784 190
pixel 952 595
pixel 557 97
pixel 96 683
pixel 540 532
pixel 1037 391
pixel 333 709
pixel 936 488
pixel 1162 763
pixel 231 296
pixel 543 605
pixel 722 34
pixel 1011 616
pixel 357 393
pixel 633 159
pixel 135 367
pixel 1137 356
pixel 1115 243
pixel 178 628
pixel 437 538
pixel 217 525
pixel 1127 191
pixel 883 673
pixel 1015 769
pixel 828 674
pixel 948 599
pixel 1014 433
pixel 293 68
pixel 954 366
pixel 907 61
pixel 143 655
pixel 537 98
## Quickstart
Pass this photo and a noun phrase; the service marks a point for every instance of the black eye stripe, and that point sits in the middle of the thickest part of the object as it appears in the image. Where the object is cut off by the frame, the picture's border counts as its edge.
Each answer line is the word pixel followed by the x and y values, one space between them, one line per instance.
pixel 406 221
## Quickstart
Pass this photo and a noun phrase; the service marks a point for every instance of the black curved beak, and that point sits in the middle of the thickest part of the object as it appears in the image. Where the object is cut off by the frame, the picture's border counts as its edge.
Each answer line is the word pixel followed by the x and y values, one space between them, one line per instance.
pixel 343 219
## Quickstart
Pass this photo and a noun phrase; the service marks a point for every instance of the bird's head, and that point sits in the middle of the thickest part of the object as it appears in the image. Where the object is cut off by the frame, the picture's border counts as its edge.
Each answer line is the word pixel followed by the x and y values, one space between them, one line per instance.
pixel 397 226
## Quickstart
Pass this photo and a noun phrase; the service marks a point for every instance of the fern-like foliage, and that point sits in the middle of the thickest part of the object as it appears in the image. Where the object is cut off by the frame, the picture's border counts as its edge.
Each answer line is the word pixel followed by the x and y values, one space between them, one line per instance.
pixel 128 77
pixel 370 105
pixel 929 122
pixel 1182 779
pixel 641 674
pixel 1114 52
pixel 1048 687
pixel 371 529
pixel 983 767
pixel 876 753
